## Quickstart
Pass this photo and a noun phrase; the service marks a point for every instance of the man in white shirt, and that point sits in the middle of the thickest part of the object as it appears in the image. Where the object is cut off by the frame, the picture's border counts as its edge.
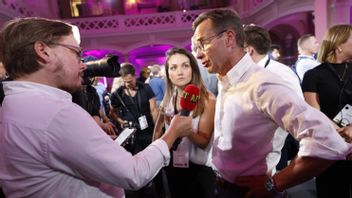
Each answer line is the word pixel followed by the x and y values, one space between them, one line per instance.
pixel 257 45
pixel 49 146
pixel 251 104
pixel 308 46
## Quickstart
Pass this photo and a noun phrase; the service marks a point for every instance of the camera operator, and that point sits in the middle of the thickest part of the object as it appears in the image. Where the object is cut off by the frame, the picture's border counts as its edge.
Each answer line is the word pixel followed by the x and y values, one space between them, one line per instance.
pixel 88 99
pixel 135 106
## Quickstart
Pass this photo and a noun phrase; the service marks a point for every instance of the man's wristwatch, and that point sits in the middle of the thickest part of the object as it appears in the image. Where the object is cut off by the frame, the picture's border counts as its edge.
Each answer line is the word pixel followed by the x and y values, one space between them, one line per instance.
pixel 270 186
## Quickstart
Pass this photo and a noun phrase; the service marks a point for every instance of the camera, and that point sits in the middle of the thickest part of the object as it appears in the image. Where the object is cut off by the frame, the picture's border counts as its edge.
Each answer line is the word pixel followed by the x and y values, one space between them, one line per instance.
pixel 107 67
pixel 130 124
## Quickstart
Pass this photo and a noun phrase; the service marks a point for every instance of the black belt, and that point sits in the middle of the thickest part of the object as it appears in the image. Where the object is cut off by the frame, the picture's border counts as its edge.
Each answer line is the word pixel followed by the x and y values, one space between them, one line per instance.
pixel 228 185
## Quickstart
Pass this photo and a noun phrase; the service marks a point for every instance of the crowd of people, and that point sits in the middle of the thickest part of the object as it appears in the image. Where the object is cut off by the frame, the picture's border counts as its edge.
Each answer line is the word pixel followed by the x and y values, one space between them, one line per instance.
pixel 259 127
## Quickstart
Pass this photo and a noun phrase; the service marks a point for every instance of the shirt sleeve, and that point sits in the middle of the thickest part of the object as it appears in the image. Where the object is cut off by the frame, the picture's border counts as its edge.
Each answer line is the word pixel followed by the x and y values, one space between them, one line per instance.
pixel 309 83
pixel 77 146
pixel 311 127
pixel 149 91
pixel 115 102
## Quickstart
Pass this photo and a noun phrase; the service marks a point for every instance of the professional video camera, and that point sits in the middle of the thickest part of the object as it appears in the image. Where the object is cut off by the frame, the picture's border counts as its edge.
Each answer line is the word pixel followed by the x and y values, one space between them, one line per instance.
pixel 107 67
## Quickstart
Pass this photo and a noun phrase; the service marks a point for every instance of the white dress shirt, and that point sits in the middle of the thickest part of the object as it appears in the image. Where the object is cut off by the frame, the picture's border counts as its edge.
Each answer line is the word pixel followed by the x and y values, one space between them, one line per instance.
pixel 51 147
pixel 292 81
pixel 252 103
pixel 305 63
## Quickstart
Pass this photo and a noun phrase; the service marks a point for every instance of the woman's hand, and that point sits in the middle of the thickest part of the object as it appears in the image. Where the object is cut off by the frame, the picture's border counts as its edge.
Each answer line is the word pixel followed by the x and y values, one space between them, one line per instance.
pixel 346 133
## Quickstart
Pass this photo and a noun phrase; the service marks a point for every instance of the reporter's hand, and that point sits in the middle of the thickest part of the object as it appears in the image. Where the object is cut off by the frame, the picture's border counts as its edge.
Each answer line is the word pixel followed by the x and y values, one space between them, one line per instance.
pixel 182 125
pixel 255 185
pixel 346 133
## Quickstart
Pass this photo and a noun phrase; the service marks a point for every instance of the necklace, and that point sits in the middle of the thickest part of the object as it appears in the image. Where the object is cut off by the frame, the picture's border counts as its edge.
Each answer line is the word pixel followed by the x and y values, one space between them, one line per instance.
pixel 342 77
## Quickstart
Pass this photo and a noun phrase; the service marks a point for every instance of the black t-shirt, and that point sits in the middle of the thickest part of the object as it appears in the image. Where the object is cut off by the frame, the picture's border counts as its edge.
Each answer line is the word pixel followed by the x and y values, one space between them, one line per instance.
pixel 140 105
pixel 88 99
pixel 333 93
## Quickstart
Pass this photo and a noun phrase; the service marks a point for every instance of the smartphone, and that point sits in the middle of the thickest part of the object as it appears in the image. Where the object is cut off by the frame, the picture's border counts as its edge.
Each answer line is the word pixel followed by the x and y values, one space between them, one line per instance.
pixel 125 135
pixel 344 117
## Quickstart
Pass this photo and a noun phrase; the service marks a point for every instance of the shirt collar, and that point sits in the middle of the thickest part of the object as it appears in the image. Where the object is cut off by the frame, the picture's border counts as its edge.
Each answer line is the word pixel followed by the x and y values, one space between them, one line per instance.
pixel 263 61
pixel 236 72
pixel 306 57
pixel 16 87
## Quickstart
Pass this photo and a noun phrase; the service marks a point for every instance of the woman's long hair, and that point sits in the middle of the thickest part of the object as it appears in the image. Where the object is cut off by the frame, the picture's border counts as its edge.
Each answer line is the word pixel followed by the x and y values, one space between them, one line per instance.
pixel 335 36
pixel 196 80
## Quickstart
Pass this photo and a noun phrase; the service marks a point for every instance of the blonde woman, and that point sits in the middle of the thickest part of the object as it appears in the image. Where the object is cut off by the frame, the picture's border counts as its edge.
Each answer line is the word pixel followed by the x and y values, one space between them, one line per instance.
pixel 328 87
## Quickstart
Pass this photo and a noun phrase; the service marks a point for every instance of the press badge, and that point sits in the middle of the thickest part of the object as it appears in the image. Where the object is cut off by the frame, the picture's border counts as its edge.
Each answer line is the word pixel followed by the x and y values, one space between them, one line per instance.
pixel 143 122
pixel 180 157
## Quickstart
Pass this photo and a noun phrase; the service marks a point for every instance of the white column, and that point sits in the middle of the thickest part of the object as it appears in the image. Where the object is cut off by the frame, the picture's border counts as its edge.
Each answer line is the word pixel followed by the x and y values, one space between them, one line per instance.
pixel 339 12
pixel 320 18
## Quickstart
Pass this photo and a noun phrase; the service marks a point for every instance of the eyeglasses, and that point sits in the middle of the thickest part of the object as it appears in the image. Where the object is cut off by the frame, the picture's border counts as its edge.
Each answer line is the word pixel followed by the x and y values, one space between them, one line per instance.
pixel 202 42
pixel 76 50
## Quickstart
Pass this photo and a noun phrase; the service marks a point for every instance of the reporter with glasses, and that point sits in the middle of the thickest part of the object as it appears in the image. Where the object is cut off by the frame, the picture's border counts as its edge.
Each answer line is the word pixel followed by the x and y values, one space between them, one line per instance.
pixel 49 146
pixel 328 88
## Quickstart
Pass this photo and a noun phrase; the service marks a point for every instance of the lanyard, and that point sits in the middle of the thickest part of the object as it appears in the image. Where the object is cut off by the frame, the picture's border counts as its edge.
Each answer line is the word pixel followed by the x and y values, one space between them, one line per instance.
pixel 138 107
pixel 267 63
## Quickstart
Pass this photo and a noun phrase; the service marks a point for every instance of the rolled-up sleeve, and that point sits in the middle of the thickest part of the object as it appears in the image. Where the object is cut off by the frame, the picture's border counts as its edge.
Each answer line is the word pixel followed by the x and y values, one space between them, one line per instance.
pixel 315 132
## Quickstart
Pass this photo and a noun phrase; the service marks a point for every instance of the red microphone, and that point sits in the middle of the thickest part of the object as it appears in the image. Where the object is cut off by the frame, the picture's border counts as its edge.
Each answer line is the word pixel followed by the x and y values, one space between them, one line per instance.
pixel 189 100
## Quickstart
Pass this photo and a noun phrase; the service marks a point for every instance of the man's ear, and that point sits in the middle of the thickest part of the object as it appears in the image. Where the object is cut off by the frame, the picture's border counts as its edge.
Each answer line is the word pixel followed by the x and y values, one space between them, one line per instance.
pixel 230 37
pixel 250 50
pixel 42 51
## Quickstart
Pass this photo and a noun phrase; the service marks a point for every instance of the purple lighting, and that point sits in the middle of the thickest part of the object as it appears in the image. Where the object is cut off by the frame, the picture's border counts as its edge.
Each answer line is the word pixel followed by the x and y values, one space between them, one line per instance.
pixel 148 55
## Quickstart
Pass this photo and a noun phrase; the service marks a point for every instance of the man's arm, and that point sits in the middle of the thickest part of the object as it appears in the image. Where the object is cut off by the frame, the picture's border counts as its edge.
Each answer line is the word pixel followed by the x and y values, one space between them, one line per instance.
pixel 298 171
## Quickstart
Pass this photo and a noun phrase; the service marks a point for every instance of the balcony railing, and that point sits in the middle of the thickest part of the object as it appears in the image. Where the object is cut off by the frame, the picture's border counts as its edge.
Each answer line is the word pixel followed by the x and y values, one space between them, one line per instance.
pixel 14 8
pixel 130 23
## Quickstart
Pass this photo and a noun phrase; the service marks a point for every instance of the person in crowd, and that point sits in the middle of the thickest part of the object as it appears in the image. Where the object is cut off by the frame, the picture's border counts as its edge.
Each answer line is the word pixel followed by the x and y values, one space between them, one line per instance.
pixel 51 147
pixel 135 106
pixel 135 103
pixel 116 83
pixel 157 83
pixel 257 45
pixel 328 88
pixel 188 174
pixel 143 75
pixel 253 102
pixel 308 47
pixel 274 52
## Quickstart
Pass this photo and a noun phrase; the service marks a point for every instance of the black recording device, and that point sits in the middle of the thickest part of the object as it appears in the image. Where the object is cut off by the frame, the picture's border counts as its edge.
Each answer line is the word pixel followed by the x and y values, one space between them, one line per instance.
pixel 106 67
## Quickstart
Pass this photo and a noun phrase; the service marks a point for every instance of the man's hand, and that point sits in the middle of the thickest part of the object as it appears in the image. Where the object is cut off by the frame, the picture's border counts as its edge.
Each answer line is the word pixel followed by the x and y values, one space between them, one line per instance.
pixel 255 185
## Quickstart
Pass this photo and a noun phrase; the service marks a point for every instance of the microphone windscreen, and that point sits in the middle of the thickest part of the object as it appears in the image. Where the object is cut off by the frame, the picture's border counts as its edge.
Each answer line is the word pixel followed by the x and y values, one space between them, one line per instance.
pixel 190 97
